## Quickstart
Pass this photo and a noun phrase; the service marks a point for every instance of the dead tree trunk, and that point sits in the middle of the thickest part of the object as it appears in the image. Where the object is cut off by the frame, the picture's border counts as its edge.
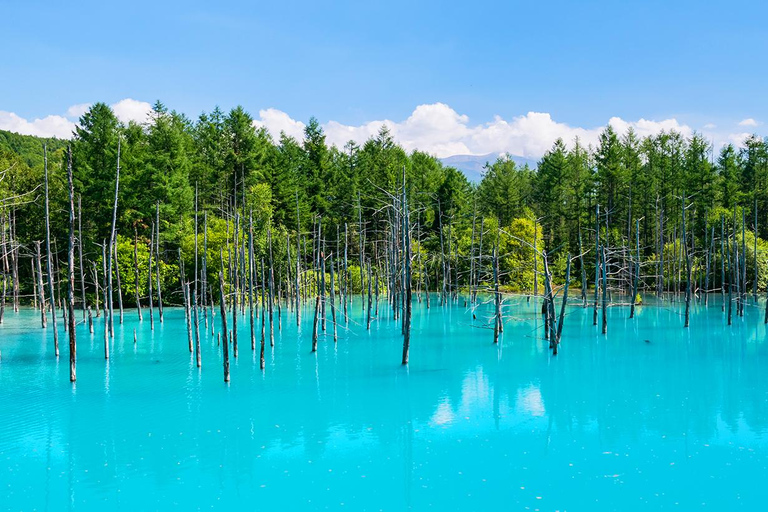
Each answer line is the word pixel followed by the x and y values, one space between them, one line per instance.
pixel 109 303
pixel 263 315
pixel 562 306
pixel 637 271
pixel 104 292
pixel 535 260
pixel 597 261
pixel 687 257
pixel 71 272
pixel 223 308
pixel 298 264
pixel 730 285
pixel 370 298
pixel 48 258
pixel 250 279
pixel 185 294
pixel 271 291
pixel 497 325
pixel 605 293
pixel 346 278
pixel 583 273
pixel 722 262
pixel 136 268
pixel 149 280
pixel 754 283
pixel 204 277
pixel 157 273
pixel 333 304
pixel 196 319
pixel 119 284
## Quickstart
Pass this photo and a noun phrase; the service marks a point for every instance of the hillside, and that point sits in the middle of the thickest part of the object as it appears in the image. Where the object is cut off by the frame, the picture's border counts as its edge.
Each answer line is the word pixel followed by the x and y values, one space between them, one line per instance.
pixel 29 147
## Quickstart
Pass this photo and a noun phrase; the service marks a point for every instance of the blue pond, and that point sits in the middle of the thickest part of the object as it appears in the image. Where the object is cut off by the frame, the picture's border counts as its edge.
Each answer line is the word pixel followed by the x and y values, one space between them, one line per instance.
pixel 651 416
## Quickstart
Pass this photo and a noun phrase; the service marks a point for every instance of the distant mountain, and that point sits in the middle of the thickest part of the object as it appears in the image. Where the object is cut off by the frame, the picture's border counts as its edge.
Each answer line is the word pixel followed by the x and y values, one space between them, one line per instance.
pixel 472 165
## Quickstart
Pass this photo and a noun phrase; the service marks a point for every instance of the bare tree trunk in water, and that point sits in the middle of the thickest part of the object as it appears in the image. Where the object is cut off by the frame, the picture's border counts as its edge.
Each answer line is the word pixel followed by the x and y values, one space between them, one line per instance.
pixel 223 308
pixel 71 272
pixel 104 291
pixel 157 273
pixel 149 280
pixel 136 267
pixel 48 257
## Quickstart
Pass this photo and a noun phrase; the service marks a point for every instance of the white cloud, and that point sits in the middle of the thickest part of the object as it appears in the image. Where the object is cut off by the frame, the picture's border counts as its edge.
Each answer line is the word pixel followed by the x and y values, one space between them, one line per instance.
pixel 131 110
pixel 75 111
pixel 435 128
pixel 748 122
pixel 438 129
pixel 277 121
pixel 62 126
pixel 50 126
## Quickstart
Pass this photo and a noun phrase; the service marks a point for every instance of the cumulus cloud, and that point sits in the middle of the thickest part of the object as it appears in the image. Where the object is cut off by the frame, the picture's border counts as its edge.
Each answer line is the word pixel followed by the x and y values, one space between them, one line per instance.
pixel 131 110
pixel 277 121
pixel 49 126
pixel 62 126
pixel 75 111
pixel 435 128
pixel 438 129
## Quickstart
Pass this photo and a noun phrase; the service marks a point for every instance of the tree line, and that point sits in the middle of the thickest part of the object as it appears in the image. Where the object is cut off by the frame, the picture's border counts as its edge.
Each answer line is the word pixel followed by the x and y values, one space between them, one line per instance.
pixel 628 192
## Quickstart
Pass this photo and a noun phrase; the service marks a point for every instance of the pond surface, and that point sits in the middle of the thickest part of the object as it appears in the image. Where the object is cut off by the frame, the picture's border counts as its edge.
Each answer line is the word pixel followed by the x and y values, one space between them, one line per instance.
pixel 651 416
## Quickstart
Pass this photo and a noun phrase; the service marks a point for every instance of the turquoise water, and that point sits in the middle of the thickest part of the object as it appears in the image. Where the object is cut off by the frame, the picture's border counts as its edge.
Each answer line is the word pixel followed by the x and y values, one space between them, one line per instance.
pixel 612 423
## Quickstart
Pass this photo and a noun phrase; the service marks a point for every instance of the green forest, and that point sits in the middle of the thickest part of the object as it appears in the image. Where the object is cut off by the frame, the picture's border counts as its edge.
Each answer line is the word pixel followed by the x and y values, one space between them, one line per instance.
pixel 630 195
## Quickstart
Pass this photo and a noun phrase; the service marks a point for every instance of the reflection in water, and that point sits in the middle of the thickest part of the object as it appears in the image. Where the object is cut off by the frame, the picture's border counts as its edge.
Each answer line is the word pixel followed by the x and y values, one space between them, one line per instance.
pixel 611 423
pixel 529 401
pixel 444 414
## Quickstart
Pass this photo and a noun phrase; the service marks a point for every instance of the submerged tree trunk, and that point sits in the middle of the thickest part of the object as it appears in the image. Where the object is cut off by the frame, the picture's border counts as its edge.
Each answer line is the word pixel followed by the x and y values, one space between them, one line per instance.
pixel 186 297
pixel 314 324
pixel 110 250
pixel 71 272
pixel 149 280
pixel 730 285
pixel 136 267
pixel 157 273
pixel 562 307
pixel 263 315
pixel 687 257
pixel 251 280
pixel 497 325
pixel 605 293
pixel 48 258
pixel 333 304
pixel 597 262
pixel 223 308
pixel 368 321
pixel 119 284
pixel 104 292
pixel 271 291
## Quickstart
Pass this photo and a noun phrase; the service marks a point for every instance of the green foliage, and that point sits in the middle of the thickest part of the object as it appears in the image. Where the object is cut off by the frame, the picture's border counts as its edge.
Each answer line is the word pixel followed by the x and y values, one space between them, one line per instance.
pixel 293 187
pixel 169 272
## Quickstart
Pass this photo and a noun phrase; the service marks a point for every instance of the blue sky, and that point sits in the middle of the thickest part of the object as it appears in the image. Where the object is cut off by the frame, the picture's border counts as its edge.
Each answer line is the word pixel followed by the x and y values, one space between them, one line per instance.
pixel 583 63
